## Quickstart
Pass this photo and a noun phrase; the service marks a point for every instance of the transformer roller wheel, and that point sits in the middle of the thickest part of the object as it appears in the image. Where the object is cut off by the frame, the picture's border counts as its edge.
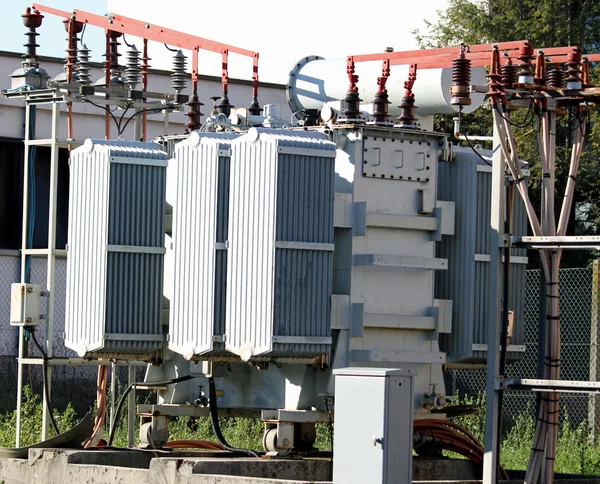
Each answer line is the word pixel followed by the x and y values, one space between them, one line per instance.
pixel 270 442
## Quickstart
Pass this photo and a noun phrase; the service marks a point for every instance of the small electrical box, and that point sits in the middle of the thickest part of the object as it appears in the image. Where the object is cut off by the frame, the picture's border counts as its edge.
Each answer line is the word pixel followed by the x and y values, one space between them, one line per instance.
pixel 25 302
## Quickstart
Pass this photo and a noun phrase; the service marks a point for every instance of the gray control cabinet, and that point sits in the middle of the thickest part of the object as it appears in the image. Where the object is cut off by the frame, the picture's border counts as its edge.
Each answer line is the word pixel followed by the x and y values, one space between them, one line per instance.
pixel 373 426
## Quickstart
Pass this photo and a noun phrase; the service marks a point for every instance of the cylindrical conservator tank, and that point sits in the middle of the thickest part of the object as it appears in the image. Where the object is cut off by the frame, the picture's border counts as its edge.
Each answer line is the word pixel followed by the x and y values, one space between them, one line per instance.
pixel 314 81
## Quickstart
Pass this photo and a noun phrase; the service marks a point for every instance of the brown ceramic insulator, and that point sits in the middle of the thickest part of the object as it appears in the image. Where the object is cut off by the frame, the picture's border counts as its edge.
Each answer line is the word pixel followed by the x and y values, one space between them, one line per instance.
pixel 254 107
pixel 114 50
pixel 525 56
pixel 224 105
pixel 574 73
pixel 556 77
pixel 353 100
pixel 194 113
pixel 380 107
pixel 461 81
pixel 407 117
pixel 73 28
pixel 509 74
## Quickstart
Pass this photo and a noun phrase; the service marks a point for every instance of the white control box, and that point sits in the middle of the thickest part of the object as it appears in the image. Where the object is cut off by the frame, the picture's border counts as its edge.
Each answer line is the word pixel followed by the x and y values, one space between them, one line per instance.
pixel 25 302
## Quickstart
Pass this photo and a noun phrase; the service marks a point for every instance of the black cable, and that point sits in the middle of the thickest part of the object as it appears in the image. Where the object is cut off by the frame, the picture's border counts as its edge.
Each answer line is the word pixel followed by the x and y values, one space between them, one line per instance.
pixel 82 34
pixel 113 424
pixel 151 111
pixel 127 43
pixel 214 419
pixel 105 109
pixel 475 151
pixel 169 48
pixel 469 141
pixel 45 380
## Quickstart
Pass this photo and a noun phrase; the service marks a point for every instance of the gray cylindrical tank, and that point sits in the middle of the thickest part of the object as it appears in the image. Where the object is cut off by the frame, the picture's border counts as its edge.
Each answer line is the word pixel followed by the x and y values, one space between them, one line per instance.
pixel 314 81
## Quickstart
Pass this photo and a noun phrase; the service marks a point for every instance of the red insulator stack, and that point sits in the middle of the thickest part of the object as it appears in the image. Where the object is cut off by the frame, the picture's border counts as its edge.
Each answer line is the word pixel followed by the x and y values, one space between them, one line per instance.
pixel 496 88
pixel 525 56
pixel 585 73
pixel 461 79
pixel 352 98
pixel 574 72
pixel 540 69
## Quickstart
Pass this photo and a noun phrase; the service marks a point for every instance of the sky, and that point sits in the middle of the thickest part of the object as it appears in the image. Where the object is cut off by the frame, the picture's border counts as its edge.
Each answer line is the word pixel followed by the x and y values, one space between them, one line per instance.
pixel 282 32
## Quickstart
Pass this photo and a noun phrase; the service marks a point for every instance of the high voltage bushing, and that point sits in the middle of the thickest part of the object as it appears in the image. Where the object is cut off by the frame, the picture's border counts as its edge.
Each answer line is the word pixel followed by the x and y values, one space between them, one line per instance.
pixel 178 74
pixel 574 71
pixel 83 67
pixel 461 79
pixel 194 113
pixel 380 107
pixel 132 67
pixel 353 100
pixel 225 106
pixel 407 118
pixel 254 107
pixel 525 56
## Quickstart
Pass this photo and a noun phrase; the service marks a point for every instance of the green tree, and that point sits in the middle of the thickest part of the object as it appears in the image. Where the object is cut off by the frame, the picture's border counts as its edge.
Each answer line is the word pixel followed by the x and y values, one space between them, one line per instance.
pixel 546 23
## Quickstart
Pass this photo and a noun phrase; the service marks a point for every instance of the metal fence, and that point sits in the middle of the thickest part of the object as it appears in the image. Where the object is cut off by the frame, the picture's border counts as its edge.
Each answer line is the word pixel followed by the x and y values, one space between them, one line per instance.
pixel 76 385
pixel 579 349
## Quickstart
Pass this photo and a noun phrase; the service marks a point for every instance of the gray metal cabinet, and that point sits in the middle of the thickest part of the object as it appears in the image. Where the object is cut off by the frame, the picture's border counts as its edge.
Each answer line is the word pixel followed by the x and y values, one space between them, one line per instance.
pixel 373 426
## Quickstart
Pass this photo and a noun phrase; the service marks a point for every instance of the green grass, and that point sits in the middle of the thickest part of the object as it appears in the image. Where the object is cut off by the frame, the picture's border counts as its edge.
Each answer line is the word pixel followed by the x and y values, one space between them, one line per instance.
pixel 244 433
pixel 577 453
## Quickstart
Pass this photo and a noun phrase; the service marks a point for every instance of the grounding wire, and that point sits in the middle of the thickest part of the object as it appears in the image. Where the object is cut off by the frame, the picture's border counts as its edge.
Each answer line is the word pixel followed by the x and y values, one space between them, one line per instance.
pixel 45 379
pixel 115 420
pixel 214 419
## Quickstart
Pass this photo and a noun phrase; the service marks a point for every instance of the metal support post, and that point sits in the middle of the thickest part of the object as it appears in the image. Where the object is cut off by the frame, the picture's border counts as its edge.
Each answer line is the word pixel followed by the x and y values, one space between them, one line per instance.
pixel 594 399
pixel 51 262
pixel 21 353
pixel 131 407
pixel 490 460
pixel 113 392
pixel 137 126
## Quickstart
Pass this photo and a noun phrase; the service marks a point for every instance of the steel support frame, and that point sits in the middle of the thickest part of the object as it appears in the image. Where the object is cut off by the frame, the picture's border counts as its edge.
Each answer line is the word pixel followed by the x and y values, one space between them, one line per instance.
pixel 51 253
pixel 491 449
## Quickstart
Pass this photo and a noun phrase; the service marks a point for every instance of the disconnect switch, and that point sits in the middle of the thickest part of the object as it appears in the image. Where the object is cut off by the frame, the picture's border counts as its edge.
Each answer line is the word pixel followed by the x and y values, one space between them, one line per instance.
pixel 25 304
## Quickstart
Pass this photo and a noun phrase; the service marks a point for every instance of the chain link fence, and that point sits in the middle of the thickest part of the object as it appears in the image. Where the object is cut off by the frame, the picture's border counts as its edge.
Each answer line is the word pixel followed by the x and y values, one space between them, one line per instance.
pixel 579 350
pixel 76 384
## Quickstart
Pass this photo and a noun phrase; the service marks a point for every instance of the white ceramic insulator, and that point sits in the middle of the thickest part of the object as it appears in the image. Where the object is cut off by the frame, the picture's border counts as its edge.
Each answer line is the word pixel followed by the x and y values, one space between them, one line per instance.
pixel 314 81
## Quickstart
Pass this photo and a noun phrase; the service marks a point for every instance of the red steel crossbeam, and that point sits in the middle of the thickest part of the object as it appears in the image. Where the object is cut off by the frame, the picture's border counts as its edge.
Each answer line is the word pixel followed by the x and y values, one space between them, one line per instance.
pixel 478 54
pixel 156 33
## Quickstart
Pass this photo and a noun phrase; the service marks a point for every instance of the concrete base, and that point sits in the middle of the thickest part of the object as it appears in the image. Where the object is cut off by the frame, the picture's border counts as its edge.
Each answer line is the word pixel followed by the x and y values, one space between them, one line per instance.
pixel 59 466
